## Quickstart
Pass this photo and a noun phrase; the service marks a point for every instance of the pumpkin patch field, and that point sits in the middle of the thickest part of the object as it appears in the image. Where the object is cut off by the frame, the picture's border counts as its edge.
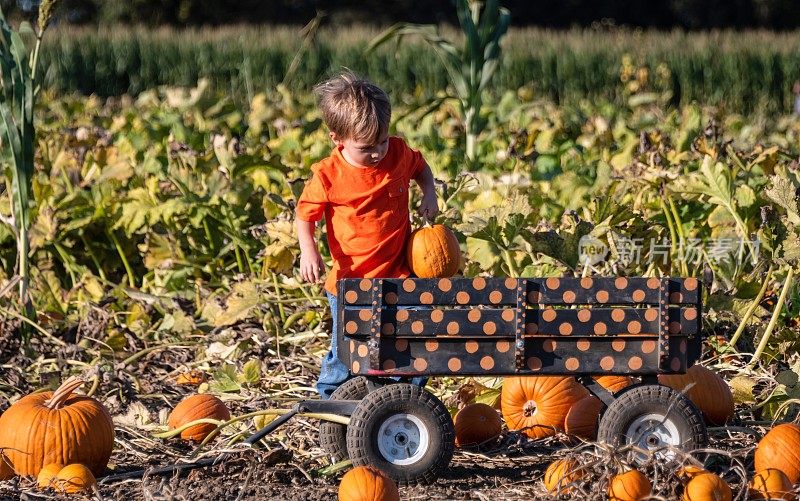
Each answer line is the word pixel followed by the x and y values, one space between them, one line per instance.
pixel 162 320
pixel 164 277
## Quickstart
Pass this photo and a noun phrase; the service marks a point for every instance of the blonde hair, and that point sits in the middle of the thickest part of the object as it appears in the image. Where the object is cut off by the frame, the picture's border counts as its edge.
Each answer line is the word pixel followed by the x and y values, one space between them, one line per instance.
pixel 354 108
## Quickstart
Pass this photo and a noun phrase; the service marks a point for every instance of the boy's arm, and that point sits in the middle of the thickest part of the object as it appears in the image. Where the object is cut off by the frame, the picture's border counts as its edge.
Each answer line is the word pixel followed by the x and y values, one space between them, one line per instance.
pixel 429 206
pixel 310 259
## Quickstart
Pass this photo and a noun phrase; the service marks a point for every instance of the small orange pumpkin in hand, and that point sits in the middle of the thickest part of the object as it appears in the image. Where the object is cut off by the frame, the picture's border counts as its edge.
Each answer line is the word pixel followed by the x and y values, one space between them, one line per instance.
pixel 433 252
pixel 367 483
pixel 632 485
pixel 194 407
pixel 477 423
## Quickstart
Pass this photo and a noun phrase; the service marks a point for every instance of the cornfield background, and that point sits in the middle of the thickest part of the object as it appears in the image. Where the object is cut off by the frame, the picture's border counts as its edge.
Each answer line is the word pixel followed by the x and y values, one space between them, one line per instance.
pixel 741 71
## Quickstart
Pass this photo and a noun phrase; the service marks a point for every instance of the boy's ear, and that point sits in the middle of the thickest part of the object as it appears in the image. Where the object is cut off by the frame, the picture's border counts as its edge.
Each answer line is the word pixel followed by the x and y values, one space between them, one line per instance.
pixel 334 138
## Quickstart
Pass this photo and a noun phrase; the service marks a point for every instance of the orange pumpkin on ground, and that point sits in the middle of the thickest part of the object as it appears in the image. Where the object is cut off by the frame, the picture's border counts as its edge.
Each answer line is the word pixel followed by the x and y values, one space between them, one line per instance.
pixel 688 472
pixel 560 474
pixel 74 478
pixel 57 427
pixel 771 484
pixel 581 420
pixel 367 483
pixel 433 252
pixel 632 485
pixel 614 383
pixel 194 407
pixel 538 405
pixel 707 487
pixel 477 423
pixel 780 449
pixel 48 474
pixel 710 393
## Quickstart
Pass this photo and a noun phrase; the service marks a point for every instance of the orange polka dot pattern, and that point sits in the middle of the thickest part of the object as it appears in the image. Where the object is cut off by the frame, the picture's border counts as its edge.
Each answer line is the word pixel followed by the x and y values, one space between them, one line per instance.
pixel 449 333
pixel 501 291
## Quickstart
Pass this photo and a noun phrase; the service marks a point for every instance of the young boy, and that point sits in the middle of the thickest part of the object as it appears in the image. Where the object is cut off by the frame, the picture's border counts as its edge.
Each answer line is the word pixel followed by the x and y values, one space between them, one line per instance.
pixel 362 191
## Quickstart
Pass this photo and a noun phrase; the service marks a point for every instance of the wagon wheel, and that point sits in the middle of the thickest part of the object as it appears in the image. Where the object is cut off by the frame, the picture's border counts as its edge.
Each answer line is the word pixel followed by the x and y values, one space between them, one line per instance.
pixel 333 436
pixel 404 431
pixel 653 418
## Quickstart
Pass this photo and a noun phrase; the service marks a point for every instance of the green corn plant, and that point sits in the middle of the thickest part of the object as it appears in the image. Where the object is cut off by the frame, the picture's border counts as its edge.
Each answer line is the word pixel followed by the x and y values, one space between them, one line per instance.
pixel 469 69
pixel 18 89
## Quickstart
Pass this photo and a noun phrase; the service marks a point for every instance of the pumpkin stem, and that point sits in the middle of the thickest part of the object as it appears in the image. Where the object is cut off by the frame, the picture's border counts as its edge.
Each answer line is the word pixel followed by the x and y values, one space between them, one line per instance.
pixel 63 392
pixel 529 409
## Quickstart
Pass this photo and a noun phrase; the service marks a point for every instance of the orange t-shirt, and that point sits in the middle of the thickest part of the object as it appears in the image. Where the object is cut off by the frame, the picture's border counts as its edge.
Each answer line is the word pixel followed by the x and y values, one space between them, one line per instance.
pixel 366 212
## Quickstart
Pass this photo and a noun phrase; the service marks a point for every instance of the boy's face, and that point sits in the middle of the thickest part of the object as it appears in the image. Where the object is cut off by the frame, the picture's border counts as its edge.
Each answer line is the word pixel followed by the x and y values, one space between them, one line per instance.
pixel 363 153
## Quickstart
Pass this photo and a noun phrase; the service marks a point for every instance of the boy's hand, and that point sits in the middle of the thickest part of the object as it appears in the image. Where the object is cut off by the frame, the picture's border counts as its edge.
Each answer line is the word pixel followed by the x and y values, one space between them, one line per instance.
pixel 429 207
pixel 311 265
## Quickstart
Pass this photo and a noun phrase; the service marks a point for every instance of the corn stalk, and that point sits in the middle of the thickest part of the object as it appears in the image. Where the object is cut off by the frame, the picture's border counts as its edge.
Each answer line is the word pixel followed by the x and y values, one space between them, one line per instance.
pixel 17 97
pixel 470 68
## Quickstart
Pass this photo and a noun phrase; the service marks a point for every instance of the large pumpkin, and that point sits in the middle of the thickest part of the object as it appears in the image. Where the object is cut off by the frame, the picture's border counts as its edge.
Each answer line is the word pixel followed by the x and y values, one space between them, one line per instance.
pixel 560 474
pixel 581 420
pixel 194 407
pixel 707 487
pixel 710 393
pixel 771 484
pixel 780 448
pixel 367 483
pixel 433 252
pixel 632 485
pixel 538 405
pixel 57 427
pixel 477 423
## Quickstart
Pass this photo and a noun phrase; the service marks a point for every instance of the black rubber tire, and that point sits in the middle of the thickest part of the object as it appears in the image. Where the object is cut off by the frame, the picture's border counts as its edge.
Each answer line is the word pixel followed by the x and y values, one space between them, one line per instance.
pixel 333 436
pixel 386 404
pixel 641 400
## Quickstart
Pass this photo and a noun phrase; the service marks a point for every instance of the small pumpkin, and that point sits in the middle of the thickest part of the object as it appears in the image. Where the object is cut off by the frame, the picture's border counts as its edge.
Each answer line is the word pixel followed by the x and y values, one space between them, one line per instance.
pixel 581 420
pixel 367 483
pixel 57 427
pixel 707 487
pixel 477 423
pixel 538 405
pixel 560 474
pixel 194 407
pixel 632 485
pixel 433 252
pixel 771 484
pixel 688 472
pixel 614 383
pixel 48 474
pixel 780 449
pixel 74 478
pixel 710 393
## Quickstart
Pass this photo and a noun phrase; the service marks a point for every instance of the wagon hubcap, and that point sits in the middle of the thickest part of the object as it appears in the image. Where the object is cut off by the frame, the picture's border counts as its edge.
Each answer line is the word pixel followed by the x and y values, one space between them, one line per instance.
pixel 403 439
pixel 651 432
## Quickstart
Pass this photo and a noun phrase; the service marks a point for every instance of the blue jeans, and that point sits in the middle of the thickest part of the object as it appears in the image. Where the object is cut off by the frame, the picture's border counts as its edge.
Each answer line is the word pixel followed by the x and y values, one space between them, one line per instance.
pixel 333 372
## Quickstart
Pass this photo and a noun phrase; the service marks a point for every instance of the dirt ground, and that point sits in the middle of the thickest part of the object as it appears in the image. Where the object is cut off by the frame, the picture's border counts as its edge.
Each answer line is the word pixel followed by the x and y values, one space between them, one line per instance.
pixel 290 465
